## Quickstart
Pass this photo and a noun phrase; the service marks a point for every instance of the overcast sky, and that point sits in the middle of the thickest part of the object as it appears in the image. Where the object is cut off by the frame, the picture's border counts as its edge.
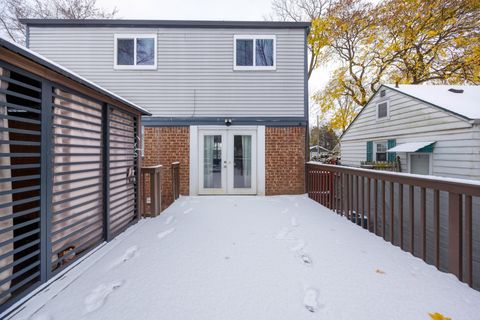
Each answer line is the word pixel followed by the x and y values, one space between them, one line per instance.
pixel 203 10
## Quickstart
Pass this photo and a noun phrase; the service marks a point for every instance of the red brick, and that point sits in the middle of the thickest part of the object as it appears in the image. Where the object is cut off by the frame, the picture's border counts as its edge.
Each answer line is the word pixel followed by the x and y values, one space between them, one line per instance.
pixel 284 160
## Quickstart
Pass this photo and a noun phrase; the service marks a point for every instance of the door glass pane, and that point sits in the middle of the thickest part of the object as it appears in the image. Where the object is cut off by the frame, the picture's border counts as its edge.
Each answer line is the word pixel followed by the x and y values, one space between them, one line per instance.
pixel 420 163
pixel 242 162
pixel 212 161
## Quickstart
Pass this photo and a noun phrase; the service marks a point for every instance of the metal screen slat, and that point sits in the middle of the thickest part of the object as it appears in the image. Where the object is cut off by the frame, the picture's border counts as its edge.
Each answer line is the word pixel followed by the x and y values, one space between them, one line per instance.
pixel 76 199
pixel 20 172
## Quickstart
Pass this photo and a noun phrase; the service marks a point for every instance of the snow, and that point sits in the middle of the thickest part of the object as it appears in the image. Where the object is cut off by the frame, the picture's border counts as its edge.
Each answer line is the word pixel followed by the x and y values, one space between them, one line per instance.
pixel 410 146
pixel 243 258
pixel 465 104
pixel 73 75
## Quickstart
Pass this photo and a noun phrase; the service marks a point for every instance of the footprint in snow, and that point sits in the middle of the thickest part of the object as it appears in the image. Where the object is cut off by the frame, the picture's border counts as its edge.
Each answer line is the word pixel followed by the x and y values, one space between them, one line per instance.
pixel 188 210
pixel 165 233
pixel 285 210
pixel 310 300
pixel 296 204
pixel 129 254
pixel 169 220
pixel 306 260
pixel 282 234
pixel 294 222
pixel 42 316
pixel 97 297
pixel 300 245
pixel 183 204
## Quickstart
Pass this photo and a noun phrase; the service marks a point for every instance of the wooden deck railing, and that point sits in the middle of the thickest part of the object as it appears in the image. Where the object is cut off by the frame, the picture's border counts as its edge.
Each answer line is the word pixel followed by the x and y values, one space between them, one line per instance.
pixel 176 180
pixel 151 190
pixel 406 210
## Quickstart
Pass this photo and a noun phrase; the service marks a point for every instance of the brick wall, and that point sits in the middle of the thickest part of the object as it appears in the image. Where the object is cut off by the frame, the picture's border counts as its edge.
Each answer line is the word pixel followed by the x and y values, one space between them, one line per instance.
pixel 164 145
pixel 284 160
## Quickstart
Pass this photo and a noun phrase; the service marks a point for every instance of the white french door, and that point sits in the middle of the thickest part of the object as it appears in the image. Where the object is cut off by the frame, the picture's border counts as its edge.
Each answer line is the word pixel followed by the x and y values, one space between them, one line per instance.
pixel 227 161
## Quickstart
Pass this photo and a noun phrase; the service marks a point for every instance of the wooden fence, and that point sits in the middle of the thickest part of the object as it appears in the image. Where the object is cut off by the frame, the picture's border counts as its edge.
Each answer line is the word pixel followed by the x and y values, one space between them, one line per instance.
pixel 394 206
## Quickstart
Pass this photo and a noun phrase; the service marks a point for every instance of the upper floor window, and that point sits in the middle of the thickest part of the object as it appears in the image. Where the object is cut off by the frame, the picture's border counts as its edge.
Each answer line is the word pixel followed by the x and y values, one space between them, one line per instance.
pixel 254 52
pixel 138 51
pixel 383 110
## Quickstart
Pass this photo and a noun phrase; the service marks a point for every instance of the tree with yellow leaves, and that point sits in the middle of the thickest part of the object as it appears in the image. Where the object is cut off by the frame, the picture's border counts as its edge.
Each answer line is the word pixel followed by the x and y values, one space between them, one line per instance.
pixel 414 41
pixel 435 41
pixel 336 106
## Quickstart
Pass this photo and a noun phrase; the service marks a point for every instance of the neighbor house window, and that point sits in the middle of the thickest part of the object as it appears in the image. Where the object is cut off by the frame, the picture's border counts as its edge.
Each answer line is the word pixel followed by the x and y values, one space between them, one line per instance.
pixel 135 51
pixel 254 52
pixel 383 110
pixel 381 151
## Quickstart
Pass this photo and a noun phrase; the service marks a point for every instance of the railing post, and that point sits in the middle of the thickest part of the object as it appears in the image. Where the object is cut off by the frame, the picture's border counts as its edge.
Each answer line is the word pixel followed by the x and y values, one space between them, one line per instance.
pixel 155 193
pixel 175 180
pixel 455 234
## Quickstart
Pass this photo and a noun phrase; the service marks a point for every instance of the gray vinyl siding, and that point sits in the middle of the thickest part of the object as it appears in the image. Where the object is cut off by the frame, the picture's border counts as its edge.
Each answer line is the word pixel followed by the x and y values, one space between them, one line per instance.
pixel 456 153
pixel 195 76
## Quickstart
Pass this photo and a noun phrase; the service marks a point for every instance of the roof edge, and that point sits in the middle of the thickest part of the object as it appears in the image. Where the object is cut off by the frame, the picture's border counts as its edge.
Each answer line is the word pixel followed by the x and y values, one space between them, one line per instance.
pixel 165 23
pixel 394 88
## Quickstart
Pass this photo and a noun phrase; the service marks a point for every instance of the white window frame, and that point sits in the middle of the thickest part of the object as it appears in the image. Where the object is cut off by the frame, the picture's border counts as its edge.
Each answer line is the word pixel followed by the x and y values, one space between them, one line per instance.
pixel 375 143
pixel 388 110
pixel 254 38
pixel 134 37
pixel 430 161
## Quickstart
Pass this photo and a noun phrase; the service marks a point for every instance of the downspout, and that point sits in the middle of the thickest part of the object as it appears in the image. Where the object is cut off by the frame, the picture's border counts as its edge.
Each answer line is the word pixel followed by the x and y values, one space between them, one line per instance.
pixel 27 37
pixel 306 109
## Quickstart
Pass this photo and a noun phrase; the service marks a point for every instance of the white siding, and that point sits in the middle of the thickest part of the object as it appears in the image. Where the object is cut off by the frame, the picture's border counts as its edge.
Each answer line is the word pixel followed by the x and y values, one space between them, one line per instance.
pixel 456 153
pixel 195 75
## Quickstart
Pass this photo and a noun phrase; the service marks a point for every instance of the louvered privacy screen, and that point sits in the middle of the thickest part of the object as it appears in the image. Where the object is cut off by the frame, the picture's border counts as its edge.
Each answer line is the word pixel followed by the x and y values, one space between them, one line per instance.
pixel 68 178
pixel 20 182
pixel 77 203
pixel 122 170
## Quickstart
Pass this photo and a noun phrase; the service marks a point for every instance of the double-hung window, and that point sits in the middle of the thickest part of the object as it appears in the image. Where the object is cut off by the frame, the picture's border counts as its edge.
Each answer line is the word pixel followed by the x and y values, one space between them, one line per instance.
pixel 137 51
pixel 256 52
pixel 381 151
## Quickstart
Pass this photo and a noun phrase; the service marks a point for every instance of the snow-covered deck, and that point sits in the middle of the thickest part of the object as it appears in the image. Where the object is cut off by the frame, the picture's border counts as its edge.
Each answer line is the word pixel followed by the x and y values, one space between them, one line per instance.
pixel 283 257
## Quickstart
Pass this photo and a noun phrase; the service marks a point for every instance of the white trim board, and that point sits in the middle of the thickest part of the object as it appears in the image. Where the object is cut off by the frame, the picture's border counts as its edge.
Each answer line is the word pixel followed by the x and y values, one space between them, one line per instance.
pixel 193 178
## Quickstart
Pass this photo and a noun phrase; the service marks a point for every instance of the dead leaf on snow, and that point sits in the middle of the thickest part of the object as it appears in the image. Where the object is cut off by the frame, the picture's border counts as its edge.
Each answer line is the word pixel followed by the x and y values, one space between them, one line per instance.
pixel 438 316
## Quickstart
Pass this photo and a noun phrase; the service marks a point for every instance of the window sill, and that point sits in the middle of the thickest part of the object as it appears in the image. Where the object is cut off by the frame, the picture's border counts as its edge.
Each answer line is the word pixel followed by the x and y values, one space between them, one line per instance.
pixel 135 67
pixel 254 68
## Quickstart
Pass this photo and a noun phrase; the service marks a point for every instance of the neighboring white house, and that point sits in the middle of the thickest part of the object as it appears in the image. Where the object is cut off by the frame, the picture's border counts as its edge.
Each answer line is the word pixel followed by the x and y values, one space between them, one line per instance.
pixel 434 129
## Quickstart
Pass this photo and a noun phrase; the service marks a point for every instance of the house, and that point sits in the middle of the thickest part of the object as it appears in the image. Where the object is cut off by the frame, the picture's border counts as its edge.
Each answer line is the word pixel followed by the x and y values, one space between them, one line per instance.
pixel 229 99
pixel 433 129
pixel 318 151
pixel 68 169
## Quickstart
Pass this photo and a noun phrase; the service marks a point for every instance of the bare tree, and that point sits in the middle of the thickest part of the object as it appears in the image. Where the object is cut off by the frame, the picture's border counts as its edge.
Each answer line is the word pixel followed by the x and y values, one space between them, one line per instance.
pixel 298 11
pixel 11 11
